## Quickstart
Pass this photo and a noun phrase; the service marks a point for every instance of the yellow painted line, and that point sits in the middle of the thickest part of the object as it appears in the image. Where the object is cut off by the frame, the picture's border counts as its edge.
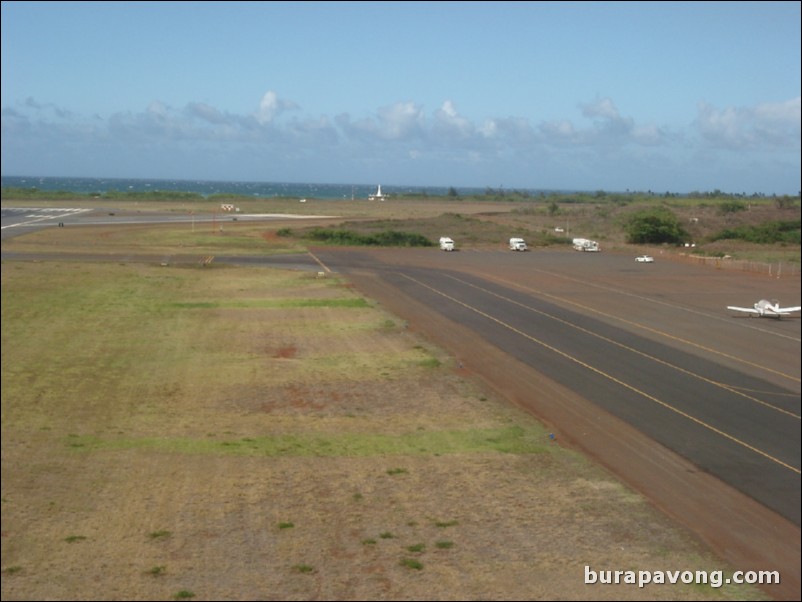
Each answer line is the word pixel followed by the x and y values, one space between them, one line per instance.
pixel 720 385
pixel 320 263
pixel 608 376
pixel 648 329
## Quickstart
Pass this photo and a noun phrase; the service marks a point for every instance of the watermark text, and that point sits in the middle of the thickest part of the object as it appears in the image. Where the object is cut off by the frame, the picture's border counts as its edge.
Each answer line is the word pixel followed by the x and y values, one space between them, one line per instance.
pixel 714 579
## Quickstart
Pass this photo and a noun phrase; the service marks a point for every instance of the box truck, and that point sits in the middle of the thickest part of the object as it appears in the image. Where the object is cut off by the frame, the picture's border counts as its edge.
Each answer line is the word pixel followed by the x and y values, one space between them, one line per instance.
pixel 584 244
pixel 517 244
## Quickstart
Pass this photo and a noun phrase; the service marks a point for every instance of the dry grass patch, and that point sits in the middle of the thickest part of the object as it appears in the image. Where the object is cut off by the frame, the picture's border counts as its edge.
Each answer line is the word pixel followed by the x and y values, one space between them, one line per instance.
pixel 162 428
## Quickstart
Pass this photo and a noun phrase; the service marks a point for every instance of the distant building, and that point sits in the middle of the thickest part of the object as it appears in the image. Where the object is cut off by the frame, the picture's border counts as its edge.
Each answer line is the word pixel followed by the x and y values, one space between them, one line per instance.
pixel 378 196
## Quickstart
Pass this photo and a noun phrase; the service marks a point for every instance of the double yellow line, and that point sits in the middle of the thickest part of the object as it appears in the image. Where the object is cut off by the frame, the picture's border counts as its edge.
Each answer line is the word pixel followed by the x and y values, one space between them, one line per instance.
pixel 602 373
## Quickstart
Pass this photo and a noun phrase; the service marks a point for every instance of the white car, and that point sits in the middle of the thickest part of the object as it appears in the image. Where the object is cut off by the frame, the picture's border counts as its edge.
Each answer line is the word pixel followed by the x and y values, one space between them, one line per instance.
pixel 644 259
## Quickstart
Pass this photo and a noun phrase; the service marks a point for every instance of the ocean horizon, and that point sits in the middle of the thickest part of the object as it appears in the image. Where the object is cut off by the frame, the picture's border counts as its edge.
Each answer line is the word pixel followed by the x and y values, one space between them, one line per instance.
pixel 207 188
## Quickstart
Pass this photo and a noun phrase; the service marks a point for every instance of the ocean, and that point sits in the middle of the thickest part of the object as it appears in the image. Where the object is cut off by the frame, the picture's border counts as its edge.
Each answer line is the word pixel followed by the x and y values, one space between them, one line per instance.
pixel 207 188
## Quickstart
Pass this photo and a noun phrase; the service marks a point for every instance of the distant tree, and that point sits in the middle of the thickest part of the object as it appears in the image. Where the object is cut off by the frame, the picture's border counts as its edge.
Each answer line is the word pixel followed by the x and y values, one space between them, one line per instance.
pixel 654 226
pixel 452 192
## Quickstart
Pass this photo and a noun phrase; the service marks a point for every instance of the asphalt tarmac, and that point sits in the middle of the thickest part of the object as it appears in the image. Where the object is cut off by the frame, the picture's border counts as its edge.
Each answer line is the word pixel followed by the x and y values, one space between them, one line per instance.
pixel 639 366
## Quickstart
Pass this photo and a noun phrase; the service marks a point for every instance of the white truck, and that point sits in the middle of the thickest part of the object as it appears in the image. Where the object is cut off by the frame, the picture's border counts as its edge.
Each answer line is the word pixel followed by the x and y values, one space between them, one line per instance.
pixel 585 244
pixel 446 244
pixel 517 244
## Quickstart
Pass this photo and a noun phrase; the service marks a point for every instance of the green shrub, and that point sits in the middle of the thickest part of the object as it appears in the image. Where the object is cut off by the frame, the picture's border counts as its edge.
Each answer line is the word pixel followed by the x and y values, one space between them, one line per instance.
pixel 654 226
pixel 731 207
pixel 787 231
pixel 389 238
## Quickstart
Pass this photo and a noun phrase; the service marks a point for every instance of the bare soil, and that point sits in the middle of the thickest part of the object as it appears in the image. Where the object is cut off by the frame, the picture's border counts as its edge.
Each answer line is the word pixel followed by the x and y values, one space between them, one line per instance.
pixel 338 455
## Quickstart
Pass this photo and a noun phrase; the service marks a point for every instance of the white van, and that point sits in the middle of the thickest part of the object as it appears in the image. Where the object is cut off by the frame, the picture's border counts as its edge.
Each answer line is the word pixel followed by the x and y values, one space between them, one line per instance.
pixel 517 244
pixel 446 244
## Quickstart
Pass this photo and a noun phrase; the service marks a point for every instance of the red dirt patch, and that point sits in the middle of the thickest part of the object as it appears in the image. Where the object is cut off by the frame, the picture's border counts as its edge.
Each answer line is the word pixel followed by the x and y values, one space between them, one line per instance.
pixel 286 353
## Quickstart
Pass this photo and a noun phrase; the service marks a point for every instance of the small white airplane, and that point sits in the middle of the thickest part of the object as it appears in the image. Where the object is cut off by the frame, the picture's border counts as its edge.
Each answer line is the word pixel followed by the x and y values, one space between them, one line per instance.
pixel 765 308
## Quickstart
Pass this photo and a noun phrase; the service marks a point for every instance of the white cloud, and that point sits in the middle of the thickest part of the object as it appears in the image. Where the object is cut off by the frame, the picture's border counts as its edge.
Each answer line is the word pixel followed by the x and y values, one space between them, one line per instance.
pixel 766 125
pixel 604 108
pixel 489 129
pixel 450 123
pixel 402 136
pixel 31 103
pixel 313 131
pixel 157 109
pixel 271 106
pixel 609 125
pixel 648 135
pixel 608 128
pixel 205 112
pixel 559 132
pixel 400 121
pixel 786 113
pixel 513 131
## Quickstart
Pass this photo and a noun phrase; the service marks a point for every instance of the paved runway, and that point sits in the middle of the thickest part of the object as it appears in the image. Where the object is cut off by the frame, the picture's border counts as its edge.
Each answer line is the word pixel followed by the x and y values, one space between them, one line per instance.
pixel 17 221
pixel 645 371
pixel 736 426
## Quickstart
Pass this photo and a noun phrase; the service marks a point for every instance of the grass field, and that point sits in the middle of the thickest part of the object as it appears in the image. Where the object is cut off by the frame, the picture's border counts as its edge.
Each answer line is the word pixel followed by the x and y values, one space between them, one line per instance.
pixel 227 432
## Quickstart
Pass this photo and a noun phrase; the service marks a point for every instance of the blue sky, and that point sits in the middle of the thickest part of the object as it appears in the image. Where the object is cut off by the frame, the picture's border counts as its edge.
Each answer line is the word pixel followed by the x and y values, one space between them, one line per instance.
pixel 661 96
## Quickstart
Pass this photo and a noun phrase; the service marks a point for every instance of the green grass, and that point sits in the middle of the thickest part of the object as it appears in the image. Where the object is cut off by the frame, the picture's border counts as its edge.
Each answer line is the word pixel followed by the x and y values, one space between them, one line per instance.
pixel 431 363
pixel 112 370
pixel 411 563
pixel 122 335
pixel 162 534
pixel 507 440
pixel 273 303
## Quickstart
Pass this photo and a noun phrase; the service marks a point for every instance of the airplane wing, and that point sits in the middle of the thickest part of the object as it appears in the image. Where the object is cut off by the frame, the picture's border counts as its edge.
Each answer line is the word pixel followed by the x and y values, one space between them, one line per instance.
pixel 750 310
pixel 786 310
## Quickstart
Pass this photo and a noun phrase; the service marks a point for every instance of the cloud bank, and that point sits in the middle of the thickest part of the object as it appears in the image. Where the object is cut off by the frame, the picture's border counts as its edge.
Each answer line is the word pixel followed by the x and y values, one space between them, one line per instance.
pixel 404 140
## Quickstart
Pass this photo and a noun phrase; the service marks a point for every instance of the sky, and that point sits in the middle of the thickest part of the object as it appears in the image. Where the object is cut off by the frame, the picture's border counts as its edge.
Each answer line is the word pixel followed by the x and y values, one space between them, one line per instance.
pixel 616 96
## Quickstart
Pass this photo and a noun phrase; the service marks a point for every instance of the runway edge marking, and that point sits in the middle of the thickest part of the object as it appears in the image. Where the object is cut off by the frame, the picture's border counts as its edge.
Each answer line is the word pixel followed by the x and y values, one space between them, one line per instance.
pixel 608 376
